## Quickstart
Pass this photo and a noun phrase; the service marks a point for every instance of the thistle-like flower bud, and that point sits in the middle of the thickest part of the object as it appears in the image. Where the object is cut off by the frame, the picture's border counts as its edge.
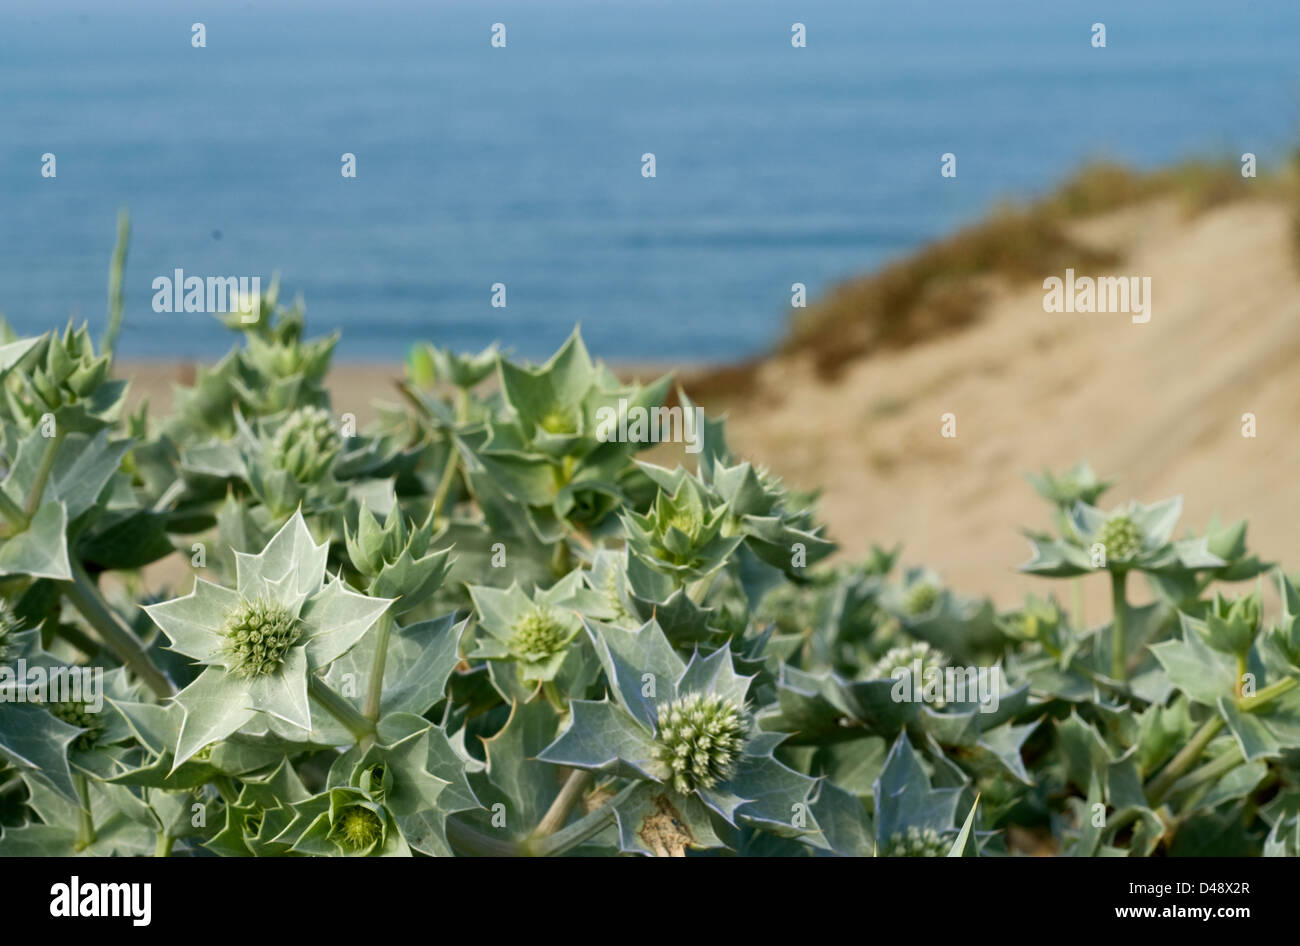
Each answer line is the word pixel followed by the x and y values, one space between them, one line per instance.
pixel 396 558
pixel 560 420
pixel 289 356
pixel 79 715
pixel 357 828
pixel 683 534
pixel 541 633
pixel 905 657
pixel 1232 626
pixel 427 363
pixel 69 374
pixel 687 521
pixel 916 842
pixel 1077 484
pixel 306 444
pixel 258 635
pixel 1120 536
pixel 376 781
pixel 1037 620
pixel 699 739
pixel 920 598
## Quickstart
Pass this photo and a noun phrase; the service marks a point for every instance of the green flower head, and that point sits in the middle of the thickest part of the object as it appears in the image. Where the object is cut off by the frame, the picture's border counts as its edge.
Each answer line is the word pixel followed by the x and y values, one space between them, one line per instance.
pixel 686 533
pixel 427 363
pixel 1134 537
pixel 535 631
pixel 258 635
pixel 70 377
pixel 1231 626
pixel 395 558
pixel 560 419
pixel 916 842
pixel 919 598
pixel 289 356
pixel 357 829
pixel 693 741
pixel 1120 537
pixel 1037 620
pixel 261 642
pixel 904 657
pixel 80 715
pixel 1075 485
pixel 306 443
pixel 548 399
pixel 539 634
pixel 699 739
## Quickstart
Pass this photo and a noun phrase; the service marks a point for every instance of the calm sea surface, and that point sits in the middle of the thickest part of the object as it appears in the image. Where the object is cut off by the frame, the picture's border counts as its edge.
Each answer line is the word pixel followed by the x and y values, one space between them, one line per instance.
pixel 522 165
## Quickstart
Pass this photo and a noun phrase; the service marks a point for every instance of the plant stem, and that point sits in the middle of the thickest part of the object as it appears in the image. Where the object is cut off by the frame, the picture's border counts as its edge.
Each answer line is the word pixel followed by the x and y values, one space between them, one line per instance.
pixel 43 474
pixel 453 456
pixel 359 726
pixel 85 822
pixel 1159 786
pixel 1076 589
pixel 84 643
pixel 553 695
pixel 375 690
pixel 109 342
pixel 561 808
pixel 169 496
pixel 1120 821
pixel 1271 692
pixel 1209 771
pixel 561 560
pixel 448 477
pixel 164 846
pixel 477 844
pixel 1119 606
pixel 85 596
pixel 584 829
pixel 1168 779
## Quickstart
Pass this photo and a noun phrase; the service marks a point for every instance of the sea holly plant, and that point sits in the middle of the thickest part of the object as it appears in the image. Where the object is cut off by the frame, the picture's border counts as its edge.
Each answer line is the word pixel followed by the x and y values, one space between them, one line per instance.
pixel 482 624
pixel 396 559
pixel 535 632
pixel 68 382
pixel 1130 538
pixel 684 729
pixel 262 642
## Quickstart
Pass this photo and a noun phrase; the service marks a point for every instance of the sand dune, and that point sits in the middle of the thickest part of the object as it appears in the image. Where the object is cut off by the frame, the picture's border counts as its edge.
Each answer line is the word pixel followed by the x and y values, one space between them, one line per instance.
pixel 1158 406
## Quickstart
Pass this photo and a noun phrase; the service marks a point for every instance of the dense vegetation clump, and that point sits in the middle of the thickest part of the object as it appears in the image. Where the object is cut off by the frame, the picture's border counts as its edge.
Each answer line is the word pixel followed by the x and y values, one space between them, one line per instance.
pixel 475 626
